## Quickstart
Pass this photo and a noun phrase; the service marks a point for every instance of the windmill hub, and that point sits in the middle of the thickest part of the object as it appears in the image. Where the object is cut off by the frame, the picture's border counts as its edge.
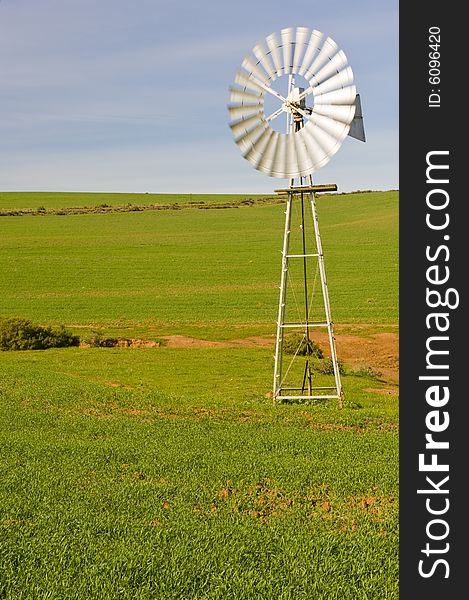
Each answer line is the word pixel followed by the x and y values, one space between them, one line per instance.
pixel 293 102
pixel 290 108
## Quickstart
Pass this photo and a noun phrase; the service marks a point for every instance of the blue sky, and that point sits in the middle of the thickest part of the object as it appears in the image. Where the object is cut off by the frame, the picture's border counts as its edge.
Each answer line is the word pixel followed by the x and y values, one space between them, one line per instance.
pixel 130 95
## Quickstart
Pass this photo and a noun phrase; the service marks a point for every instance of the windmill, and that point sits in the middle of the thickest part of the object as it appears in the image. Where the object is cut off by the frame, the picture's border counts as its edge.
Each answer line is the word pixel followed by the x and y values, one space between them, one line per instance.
pixel 321 107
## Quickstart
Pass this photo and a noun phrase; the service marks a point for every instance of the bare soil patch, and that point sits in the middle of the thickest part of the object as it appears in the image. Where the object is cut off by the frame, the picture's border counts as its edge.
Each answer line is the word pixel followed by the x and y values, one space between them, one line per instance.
pixel 184 341
pixel 122 343
pixel 379 350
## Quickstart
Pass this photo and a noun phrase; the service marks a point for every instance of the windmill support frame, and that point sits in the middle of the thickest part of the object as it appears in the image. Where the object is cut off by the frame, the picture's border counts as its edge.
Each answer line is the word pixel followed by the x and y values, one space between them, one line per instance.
pixel 307 391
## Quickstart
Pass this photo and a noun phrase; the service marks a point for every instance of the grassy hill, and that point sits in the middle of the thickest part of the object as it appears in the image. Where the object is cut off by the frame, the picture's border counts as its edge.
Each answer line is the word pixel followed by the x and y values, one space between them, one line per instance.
pixel 168 473
pixel 205 272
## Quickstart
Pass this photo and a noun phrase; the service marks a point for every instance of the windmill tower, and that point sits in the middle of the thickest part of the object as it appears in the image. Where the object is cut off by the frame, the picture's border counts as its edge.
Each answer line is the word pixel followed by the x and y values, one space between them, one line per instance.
pixel 320 106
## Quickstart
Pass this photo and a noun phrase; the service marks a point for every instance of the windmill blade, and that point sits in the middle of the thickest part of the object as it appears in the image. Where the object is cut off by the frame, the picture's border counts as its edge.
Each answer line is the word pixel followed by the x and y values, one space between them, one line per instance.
pixel 252 68
pixel 329 48
pixel 247 139
pixel 335 129
pixel 311 50
pixel 291 155
pixel 329 143
pixel 264 60
pixel 258 148
pixel 274 47
pixel 243 126
pixel 244 112
pixel 287 39
pixel 305 162
pixel 301 39
pixel 343 96
pixel 316 153
pixel 244 97
pixel 278 163
pixel 339 112
pixel 243 79
pixel 338 62
pixel 341 80
pixel 265 164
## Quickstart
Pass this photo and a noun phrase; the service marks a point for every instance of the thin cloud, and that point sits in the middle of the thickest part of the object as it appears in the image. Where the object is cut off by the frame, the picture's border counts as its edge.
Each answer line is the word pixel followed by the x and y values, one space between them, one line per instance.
pixel 124 96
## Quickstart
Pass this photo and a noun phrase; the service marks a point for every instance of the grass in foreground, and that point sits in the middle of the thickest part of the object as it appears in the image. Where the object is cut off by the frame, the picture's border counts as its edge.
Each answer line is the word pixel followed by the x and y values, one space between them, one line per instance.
pixel 144 491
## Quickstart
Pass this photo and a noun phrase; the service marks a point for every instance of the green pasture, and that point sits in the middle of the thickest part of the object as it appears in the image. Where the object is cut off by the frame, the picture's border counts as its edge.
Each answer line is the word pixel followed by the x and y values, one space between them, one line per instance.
pixel 209 273
pixel 168 473
pixel 113 489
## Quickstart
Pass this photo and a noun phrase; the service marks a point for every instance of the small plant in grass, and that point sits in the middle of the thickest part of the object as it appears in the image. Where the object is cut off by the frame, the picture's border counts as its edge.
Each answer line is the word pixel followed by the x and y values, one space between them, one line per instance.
pixel 326 366
pixel 297 344
pixel 97 340
pixel 366 371
pixel 21 334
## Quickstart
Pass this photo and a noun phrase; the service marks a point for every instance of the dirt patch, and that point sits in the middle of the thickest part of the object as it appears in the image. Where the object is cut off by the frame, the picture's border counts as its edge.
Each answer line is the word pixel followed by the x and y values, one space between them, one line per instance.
pixel 265 500
pixel 184 341
pixel 135 411
pixel 136 343
pixel 121 343
pixel 377 507
pixel 259 501
pixel 380 351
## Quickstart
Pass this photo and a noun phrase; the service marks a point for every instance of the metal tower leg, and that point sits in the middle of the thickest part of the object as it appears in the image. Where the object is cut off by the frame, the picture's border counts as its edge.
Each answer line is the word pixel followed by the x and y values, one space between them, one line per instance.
pixel 282 301
pixel 327 306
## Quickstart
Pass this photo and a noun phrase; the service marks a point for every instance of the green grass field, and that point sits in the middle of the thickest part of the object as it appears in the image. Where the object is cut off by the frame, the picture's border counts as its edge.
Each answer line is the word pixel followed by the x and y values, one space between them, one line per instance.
pixel 167 473
pixel 206 272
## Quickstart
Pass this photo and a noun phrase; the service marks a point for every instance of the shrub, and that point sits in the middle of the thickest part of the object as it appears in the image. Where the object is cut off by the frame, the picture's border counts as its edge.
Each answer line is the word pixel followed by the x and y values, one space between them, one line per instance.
pixel 21 334
pixel 97 340
pixel 326 366
pixel 296 343
pixel 366 371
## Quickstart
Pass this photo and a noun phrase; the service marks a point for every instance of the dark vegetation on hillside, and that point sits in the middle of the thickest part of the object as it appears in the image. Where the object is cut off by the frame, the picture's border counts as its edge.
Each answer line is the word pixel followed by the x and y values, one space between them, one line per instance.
pixel 105 208
pixel 21 334
pixel 122 208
